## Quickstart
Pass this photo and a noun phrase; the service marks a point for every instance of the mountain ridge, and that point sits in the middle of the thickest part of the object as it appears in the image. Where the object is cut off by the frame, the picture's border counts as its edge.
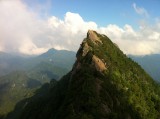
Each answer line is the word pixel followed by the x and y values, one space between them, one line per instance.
pixel 103 84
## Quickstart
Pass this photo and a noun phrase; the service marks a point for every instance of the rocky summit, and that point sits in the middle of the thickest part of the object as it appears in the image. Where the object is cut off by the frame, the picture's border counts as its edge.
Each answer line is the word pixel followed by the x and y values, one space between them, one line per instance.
pixel 103 84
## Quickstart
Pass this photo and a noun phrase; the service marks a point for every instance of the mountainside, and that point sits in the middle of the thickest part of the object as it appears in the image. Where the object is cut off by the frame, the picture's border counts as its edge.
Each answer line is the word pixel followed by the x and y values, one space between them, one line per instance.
pixel 15 87
pixel 59 57
pixel 20 76
pixel 151 63
pixel 52 60
pixel 103 84
pixel 52 64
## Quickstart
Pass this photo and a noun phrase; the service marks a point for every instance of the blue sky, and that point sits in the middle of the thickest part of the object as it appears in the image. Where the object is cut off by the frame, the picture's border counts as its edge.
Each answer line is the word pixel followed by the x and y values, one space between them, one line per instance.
pixel 34 26
pixel 103 12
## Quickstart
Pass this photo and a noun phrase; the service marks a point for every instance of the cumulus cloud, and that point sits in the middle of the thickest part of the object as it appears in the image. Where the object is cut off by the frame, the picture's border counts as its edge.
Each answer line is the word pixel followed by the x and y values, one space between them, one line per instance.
pixel 73 29
pixel 69 33
pixel 140 10
pixel 18 27
pixel 141 42
pixel 26 32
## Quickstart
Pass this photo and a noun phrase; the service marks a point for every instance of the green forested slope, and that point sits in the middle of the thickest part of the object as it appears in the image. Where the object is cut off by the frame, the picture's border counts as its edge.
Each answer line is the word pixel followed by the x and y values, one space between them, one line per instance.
pixel 15 87
pixel 103 84
pixel 20 76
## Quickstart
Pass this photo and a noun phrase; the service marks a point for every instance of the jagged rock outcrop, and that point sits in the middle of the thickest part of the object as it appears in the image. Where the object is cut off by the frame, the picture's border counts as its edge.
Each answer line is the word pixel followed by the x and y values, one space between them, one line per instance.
pixel 98 63
pixel 85 48
pixel 93 37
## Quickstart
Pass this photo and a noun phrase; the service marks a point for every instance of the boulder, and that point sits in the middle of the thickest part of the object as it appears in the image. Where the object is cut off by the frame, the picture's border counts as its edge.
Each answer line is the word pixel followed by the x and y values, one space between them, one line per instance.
pixel 98 63
pixel 93 36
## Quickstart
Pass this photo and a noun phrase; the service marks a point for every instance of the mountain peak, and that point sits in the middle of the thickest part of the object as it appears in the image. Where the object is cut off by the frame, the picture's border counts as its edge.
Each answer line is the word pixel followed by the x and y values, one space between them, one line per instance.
pixel 52 50
pixel 101 63
pixel 103 84
pixel 92 35
pixel 87 51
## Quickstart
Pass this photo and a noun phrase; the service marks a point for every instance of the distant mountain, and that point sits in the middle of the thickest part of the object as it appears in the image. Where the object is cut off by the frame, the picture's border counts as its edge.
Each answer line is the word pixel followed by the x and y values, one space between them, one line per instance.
pixel 20 75
pixel 61 62
pixel 59 57
pixel 151 63
pixel 103 84
pixel 52 64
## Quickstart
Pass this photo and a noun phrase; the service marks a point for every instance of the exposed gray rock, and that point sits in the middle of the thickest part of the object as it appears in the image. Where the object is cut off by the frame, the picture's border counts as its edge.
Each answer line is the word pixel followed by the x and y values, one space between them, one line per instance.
pixel 86 48
pixel 98 63
pixel 93 37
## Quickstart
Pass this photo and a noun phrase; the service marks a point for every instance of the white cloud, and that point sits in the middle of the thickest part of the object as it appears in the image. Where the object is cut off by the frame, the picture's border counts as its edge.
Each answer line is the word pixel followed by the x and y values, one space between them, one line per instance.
pixel 26 32
pixel 140 10
pixel 141 42
pixel 29 48
pixel 69 33
pixel 18 26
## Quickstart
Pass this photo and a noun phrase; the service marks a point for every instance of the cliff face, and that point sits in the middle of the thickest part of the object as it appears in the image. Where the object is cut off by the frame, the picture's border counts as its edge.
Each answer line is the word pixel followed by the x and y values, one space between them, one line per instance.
pixel 85 48
pixel 103 84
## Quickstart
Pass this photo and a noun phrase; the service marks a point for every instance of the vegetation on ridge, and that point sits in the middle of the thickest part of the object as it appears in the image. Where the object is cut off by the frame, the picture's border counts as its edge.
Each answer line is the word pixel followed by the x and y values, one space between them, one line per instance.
pixel 122 90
